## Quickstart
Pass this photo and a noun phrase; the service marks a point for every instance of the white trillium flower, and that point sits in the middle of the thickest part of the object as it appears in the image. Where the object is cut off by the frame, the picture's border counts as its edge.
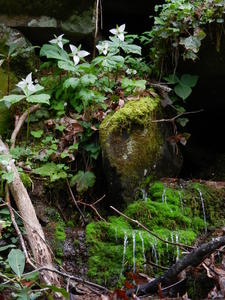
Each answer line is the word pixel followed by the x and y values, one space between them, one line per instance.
pixel 27 83
pixel 103 48
pixel 119 31
pixel 77 54
pixel 131 72
pixel 58 41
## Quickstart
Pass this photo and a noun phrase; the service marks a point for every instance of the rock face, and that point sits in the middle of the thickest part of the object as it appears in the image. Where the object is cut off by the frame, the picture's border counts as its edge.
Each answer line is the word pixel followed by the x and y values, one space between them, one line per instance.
pixel 19 65
pixel 134 147
pixel 39 20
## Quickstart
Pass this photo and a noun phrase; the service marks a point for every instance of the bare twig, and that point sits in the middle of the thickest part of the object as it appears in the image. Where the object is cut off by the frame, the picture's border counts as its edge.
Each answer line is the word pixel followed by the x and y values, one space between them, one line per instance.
pixel 20 123
pixel 92 206
pixel 71 277
pixel 149 231
pixel 178 116
pixel 7 197
pixel 75 201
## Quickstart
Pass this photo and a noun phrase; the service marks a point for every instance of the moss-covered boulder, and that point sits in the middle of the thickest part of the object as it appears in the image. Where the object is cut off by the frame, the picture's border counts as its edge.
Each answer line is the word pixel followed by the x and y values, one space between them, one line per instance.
pixel 172 213
pixel 133 146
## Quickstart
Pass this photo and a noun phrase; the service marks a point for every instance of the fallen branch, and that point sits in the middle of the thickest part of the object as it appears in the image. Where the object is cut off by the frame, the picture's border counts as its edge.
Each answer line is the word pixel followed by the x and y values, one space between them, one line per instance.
pixel 12 216
pixel 20 123
pixel 194 258
pixel 71 277
pixel 171 120
pixel 149 231
pixel 75 201
pixel 92 206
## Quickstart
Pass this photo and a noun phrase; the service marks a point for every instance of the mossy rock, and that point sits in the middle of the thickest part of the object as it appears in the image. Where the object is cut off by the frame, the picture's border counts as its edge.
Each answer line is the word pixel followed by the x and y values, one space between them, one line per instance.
pixel 173 213
pixel 133 146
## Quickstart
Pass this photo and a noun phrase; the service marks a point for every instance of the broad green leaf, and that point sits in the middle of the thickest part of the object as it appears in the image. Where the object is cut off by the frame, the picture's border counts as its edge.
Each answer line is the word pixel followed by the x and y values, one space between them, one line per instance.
pixel 67 66
pixel 52 51
pixel 183 121
pixel 58 290
pixel 182 91
pixel 37 133
pixel 88 79
pixel 191 43
pixel 41 99
pixel 71 82
pixel 189 80
pixel 3 248
pixel 16 259
pixel 74 146
pixel 9 176
pixel 52 170
pixel 83 181
pixel 12 99
pixel 172 78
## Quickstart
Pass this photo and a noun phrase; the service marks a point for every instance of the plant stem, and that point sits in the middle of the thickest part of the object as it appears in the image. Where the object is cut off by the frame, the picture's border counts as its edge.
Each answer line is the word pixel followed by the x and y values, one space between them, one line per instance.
pixel 28 121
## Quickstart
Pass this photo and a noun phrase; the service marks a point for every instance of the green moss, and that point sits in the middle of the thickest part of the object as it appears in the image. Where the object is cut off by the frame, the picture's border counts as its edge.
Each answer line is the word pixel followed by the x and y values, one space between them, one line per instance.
pixel 134 113
pixel 26 180
pixel 127 135
pixel 179 218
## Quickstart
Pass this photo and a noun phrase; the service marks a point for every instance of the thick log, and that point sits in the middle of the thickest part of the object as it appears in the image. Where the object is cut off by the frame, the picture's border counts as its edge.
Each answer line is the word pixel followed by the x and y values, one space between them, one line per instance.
pixel 194 258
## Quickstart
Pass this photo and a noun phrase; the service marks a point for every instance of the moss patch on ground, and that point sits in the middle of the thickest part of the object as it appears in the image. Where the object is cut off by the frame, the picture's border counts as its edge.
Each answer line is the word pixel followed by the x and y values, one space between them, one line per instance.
pixel 174 214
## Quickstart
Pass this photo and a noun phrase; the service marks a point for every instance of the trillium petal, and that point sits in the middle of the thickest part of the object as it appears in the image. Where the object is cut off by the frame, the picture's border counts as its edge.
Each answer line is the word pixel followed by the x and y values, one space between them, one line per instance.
pixel 76 59
pixel 60 44
pixel 22 84
pixel 60 37
pixel 31 87
pixel 54 41
pixel 121 36
pixel 83 53
pixel 73 49
pixel 113 31
pixel 99 47
pixel 122 28
pixel 105 51
pixel 29 78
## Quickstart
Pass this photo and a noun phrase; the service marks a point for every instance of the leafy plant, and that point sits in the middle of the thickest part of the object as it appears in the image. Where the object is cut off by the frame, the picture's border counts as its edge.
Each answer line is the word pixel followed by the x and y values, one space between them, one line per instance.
pixel 31 93
pixel 183 86
pixel 83 181
pixel 52 170
pixel 22 284
pixel 180 27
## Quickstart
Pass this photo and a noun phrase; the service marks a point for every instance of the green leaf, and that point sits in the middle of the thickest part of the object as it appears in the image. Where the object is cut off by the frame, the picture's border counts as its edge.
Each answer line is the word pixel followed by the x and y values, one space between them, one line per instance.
pixel 12 99
pixel 41 99
pixel 3 248
pixel 172 78
pixel 189 80
pixel 37 133
pixel 83 181
pixel 58 290
pixel 52 170
pixel 88 79
pixel 8 176
pixel 191 43
pixel 182 91
pixel 71 82
pixel 183 121
pixel 74 146
pixel 67 66
pixel 16 259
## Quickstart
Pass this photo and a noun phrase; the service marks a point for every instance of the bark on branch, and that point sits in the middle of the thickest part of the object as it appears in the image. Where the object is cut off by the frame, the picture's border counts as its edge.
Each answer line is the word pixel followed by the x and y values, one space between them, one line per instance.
pixel 194 258
pixel 35 234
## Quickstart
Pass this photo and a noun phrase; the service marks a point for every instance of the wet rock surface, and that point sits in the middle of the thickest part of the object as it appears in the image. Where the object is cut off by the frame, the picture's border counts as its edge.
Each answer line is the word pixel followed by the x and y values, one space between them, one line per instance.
pixel 75 255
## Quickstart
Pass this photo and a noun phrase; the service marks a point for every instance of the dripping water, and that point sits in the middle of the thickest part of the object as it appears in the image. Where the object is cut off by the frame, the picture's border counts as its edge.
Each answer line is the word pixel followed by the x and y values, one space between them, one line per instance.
pixel 177 241
pixel 133 235
pixel 203 209
pixel 143 249
pixel 144 195
pixel 124 252
pixel 164 196
pixel 154 252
